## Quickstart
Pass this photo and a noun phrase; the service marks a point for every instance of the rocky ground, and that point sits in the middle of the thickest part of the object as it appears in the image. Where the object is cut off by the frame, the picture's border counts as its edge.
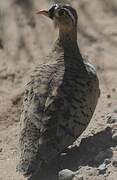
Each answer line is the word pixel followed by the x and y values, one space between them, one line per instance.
pixel 24 40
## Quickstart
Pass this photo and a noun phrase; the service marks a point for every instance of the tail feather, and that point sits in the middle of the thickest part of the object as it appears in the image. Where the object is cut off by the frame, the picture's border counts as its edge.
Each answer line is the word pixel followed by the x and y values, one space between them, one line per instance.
pixel 29 144
pixel 26 169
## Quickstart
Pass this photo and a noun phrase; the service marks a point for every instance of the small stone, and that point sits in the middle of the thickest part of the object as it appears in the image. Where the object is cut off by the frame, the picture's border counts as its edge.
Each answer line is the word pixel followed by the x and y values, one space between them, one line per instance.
pixel 79 177
pixel 90 174
pixel 66 174
pixel 102 168
pixel 1 149
pixel 114 163
pixel 114 136
pixel 93 172
pixel 108 96
pixel 115 110
pixel 114 90
pixel 112 119
pixel 1 44
pixel 107 161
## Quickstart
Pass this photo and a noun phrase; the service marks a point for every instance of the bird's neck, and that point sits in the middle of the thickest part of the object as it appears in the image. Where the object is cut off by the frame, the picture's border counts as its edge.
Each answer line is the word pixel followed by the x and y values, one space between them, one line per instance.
pixel 68 37
pixel 68 51
pixel 67 43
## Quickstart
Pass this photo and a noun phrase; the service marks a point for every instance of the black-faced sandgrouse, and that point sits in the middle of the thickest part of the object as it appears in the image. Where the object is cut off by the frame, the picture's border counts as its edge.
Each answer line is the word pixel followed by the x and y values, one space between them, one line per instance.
pixel 60 99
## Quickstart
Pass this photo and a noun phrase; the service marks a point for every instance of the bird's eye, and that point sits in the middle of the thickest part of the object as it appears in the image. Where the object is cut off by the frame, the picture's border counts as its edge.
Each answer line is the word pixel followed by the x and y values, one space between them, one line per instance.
pixel 61 12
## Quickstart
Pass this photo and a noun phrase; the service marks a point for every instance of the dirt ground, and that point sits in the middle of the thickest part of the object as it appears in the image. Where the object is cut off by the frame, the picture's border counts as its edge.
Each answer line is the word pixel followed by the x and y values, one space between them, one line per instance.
pixel 25 39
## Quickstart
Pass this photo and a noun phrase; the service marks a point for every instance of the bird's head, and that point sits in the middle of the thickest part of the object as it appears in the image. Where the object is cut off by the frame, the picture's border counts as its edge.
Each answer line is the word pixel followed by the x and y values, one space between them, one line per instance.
pixel 64 16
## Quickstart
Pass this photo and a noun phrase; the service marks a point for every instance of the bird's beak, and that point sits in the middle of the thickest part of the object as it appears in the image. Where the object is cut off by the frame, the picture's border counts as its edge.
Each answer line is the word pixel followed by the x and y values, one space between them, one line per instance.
pixel 43 12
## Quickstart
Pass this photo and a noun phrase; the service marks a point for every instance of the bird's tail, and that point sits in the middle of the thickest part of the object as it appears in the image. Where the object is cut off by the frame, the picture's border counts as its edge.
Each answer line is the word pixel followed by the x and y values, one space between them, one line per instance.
pixel 27 168
pixel 29 142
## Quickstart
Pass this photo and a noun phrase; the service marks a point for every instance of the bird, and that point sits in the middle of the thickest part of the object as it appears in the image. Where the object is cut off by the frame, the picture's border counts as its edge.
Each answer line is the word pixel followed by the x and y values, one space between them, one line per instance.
pixel 60 98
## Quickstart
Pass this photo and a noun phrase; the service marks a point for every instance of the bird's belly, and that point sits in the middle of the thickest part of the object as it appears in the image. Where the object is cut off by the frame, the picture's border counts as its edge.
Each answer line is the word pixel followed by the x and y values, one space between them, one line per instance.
pixel 80 111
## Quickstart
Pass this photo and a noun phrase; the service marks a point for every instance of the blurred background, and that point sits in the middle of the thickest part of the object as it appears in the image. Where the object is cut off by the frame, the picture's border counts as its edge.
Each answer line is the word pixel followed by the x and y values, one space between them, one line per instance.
pixel 26 38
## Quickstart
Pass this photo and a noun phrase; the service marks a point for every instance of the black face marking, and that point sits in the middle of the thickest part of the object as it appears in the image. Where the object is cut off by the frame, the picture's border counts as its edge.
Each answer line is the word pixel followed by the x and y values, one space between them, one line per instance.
pixel 51 11
pixel 72 10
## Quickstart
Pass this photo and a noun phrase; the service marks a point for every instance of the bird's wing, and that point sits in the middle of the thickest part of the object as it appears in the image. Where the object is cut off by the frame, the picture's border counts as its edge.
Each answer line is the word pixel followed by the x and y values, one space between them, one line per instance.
pixel 38 98
pixel 35 95
pixel 94 81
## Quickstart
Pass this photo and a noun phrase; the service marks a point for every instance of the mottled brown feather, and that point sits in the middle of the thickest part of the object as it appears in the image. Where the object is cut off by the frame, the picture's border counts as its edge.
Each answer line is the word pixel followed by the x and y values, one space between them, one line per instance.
pixel 58 105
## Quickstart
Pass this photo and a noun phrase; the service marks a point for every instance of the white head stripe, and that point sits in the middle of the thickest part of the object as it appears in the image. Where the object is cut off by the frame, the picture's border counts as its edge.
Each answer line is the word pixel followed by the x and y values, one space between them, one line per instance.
pixel 71 15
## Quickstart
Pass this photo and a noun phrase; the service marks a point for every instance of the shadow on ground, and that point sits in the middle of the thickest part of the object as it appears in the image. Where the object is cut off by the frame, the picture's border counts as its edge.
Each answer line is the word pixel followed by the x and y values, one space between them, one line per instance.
pixel 84 155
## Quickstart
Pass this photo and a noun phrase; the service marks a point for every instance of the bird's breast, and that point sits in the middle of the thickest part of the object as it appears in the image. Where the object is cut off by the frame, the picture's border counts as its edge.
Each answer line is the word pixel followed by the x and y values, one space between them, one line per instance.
pixel 79 102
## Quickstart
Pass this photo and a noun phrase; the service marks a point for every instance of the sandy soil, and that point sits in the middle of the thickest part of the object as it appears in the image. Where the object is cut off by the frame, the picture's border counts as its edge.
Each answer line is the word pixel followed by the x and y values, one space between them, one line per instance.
pixel 25 40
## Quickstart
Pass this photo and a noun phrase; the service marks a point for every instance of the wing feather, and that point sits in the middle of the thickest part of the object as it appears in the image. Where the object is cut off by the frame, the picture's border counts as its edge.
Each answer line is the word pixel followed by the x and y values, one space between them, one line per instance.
pixel 34 121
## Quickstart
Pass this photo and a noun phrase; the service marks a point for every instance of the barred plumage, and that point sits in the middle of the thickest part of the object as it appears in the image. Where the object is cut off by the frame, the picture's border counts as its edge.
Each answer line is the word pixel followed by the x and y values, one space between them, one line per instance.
pixel 60 99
